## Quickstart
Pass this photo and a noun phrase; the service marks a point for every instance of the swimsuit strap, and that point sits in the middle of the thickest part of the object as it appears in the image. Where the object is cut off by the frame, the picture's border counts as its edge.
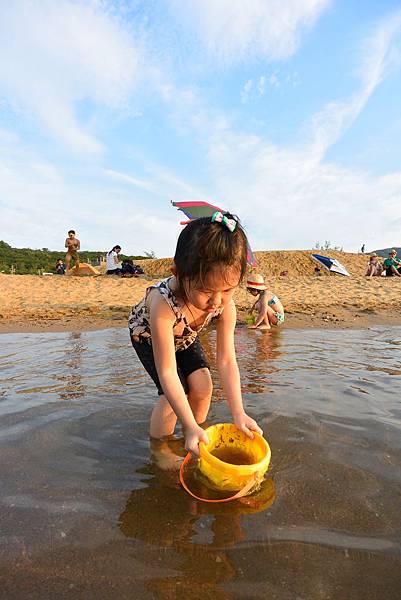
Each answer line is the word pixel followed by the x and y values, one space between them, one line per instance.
pixel 168 295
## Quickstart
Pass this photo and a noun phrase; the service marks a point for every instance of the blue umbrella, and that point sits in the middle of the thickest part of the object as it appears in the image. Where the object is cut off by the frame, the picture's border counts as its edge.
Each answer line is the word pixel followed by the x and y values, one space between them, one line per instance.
pixel 330 264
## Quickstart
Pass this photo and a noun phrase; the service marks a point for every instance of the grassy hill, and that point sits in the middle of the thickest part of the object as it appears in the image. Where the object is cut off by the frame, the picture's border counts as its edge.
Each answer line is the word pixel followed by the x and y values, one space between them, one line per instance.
pixel 27 261
pixel 384 251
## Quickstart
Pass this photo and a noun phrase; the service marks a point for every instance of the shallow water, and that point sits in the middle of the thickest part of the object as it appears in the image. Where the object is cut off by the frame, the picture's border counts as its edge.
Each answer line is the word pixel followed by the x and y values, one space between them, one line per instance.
pixel 87 512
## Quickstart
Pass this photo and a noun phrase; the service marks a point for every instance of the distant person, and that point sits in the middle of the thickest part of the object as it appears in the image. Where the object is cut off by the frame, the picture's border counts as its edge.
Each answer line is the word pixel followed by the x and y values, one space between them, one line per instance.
pixel 73 246
pixel 128 269
pixel 270 310
pixel 60 267
pixel 363 248
pixel 113 261
pixel 374 268
pixel 317 272
pixel 392 265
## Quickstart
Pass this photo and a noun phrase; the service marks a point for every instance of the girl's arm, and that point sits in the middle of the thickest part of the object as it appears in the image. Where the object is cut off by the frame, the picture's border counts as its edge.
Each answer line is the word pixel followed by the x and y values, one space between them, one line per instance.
pixel 229 372
pixel 161 325
pixel 253 306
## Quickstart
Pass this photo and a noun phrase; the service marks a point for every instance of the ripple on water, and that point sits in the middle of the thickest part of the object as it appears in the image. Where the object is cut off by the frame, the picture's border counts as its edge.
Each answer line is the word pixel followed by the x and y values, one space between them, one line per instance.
pixel 87 503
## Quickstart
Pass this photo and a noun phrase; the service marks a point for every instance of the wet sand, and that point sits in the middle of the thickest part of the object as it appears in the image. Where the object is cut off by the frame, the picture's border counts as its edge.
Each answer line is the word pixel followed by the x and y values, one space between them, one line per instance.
pixel 34 303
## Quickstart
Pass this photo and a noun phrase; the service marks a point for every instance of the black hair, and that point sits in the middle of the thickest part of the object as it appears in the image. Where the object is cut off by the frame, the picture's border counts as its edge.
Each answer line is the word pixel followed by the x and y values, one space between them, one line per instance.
pixel 71 231
pixel 114 248
pixel 203 245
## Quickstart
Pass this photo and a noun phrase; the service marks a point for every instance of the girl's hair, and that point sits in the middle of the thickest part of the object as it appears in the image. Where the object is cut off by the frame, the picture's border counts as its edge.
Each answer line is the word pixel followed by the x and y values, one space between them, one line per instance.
pixel 114 248
pixel 203 245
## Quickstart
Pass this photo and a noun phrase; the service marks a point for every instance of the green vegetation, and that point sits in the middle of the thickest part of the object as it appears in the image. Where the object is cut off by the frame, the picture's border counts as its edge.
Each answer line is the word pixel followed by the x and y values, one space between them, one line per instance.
pixel 384 251
pixel 26 261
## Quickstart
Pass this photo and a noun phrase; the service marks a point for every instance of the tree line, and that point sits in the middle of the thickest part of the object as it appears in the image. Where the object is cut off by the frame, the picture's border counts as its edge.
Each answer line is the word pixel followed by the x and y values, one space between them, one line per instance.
pixel 26 261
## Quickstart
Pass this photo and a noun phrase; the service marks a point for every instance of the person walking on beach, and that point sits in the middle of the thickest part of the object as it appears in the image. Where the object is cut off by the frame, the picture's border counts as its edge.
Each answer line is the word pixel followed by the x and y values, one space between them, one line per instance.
pixel 113 262
pixel 392 265
pixel 363 249
pixel 73 246
pixel 270 310
pixel 209 263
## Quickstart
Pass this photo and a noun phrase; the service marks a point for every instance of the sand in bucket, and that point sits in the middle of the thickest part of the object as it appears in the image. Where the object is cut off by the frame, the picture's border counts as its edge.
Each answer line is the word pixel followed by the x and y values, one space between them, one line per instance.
pixel 231 460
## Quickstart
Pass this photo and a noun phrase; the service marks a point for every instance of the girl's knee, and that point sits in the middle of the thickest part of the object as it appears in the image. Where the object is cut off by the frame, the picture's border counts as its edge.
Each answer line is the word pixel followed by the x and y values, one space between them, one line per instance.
pixel 200 385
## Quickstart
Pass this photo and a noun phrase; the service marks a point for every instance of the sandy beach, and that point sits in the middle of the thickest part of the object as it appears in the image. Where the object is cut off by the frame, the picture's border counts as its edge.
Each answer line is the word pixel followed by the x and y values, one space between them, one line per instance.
pixel 44 303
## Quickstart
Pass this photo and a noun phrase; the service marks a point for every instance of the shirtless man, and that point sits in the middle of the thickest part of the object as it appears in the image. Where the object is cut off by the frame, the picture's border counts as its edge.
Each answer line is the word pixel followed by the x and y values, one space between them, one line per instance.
pixel 73 245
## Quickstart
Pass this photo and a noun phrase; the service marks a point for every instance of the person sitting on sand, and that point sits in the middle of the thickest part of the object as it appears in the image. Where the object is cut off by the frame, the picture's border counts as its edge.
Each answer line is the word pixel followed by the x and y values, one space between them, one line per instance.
pixel 128 269
pixel 113 261
pixel 270 310
pixel 392 264
pixel 317 272
pixel 374 267
pixel 60 267
pixel 209 263
pixel 73 245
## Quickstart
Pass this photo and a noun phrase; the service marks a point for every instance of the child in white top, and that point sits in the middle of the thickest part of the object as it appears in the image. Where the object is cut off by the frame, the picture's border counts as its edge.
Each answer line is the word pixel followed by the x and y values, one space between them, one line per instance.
pixel 270 310
pixel 209 263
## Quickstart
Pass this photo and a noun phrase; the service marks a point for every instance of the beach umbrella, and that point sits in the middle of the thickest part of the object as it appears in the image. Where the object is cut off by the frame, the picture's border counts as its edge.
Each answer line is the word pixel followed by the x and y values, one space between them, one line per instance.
pixel 194 209
pixel 330 264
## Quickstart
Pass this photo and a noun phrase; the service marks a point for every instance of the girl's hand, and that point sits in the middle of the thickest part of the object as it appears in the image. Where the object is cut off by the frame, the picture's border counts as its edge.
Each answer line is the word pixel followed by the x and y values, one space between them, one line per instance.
pixel 192 438
pixel 246 424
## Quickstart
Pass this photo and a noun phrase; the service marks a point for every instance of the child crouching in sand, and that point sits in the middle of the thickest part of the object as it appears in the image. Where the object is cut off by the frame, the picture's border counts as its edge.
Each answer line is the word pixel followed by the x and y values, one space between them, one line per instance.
pixel 270 310
pixel 209 263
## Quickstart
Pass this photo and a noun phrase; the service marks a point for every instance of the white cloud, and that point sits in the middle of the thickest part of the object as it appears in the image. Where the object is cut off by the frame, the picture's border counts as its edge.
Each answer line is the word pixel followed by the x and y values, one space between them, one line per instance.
pixel 262 85
pixel 38 206
pixel 288 200
pixel 274 80
pixel 234 29
pixel 378 56
pixel 54 55
pixel 145 185
pixel 289 196
pixel 246 90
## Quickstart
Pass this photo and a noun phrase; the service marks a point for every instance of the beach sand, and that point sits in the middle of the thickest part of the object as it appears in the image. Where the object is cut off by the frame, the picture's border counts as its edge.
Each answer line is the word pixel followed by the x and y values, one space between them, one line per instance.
pixel 44 303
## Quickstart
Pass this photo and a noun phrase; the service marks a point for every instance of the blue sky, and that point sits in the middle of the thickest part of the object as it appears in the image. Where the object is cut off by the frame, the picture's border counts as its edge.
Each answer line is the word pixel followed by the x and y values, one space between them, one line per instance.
pixel 285 112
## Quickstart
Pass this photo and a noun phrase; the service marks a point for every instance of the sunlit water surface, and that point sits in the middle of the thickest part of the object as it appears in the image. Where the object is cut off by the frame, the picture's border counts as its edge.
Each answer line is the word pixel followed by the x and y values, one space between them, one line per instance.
pixel 88 511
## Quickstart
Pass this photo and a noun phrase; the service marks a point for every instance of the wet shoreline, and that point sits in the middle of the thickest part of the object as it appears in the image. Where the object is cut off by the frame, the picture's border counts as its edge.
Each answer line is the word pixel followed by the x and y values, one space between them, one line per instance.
pixel 318 318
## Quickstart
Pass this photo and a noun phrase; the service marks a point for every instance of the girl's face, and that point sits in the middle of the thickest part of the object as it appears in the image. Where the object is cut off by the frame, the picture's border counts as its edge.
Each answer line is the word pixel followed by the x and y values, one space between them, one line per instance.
pixel 216 291
pixel 253 291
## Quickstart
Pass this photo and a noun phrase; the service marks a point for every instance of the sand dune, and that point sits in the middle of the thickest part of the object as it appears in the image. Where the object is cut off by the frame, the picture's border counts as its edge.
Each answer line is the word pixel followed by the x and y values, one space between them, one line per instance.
pixel 34 301
pixel 272 263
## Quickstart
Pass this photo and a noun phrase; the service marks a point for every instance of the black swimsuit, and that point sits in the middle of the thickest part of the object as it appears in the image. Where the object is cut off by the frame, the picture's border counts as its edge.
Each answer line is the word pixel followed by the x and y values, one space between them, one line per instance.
pixel 188 350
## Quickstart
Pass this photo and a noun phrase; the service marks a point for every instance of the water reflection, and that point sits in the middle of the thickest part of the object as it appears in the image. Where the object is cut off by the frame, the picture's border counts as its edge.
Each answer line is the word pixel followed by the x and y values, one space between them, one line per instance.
pixel 73 354
pixel 259 351
pixel 199 534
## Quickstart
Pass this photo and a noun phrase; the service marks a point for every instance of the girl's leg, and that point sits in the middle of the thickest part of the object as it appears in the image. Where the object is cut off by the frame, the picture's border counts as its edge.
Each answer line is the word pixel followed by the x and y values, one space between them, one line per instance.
pixel 200 393
pixel 163 419
pixel 271 314
pixel 265 324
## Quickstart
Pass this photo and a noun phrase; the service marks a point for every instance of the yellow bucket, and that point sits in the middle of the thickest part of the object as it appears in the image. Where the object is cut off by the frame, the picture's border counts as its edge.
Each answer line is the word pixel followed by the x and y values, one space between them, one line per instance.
pixel 231 460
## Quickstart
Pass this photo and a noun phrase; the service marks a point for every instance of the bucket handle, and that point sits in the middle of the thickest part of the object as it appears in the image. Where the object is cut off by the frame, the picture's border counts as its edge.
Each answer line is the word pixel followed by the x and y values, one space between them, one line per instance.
pixel 239 494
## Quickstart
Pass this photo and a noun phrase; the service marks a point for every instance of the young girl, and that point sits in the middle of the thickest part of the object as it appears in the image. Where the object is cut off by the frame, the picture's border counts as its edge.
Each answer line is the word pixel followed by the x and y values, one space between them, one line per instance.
pixel 209 263
pixel 270 310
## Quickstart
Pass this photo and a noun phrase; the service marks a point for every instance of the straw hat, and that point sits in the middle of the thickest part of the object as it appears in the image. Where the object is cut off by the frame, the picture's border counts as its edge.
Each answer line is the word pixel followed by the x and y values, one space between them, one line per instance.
pixel 256 281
